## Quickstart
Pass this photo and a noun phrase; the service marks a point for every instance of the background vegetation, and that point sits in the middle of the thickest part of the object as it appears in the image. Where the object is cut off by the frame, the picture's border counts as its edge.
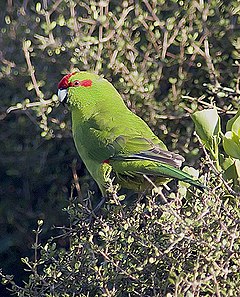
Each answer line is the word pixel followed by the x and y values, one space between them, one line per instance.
pixel 167 59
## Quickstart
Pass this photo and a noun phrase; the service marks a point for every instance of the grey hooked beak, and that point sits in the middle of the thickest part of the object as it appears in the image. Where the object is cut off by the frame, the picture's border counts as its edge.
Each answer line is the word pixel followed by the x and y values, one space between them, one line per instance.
pixel 62 95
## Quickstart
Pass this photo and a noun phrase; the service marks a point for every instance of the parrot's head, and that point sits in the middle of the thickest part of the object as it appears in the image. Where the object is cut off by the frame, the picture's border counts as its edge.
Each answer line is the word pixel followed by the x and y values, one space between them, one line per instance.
pixel 81 86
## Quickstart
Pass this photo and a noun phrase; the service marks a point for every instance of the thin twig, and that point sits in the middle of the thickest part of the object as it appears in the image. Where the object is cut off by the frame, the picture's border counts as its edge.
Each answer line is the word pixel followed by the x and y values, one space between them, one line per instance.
pixel 32 72
pixel 209 62
pixel 29 105
pixel 76 181
pixel 117 266
pixel 155 17
pixel 159 191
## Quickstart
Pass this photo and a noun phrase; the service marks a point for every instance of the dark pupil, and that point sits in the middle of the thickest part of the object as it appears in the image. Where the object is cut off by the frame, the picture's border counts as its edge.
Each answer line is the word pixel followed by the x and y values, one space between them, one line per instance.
pixel 76 83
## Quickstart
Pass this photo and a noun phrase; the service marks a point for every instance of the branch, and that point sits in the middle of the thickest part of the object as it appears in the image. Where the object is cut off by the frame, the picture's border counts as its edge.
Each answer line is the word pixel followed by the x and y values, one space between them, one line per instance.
pixel 21 106
pixel 32 71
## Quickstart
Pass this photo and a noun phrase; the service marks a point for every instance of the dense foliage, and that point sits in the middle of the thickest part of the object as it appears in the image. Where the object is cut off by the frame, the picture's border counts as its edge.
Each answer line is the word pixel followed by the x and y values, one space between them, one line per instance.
pixel 168 59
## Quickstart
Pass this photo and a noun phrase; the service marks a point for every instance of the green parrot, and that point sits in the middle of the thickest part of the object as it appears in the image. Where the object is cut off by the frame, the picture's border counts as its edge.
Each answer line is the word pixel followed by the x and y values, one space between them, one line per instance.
pixel 111 139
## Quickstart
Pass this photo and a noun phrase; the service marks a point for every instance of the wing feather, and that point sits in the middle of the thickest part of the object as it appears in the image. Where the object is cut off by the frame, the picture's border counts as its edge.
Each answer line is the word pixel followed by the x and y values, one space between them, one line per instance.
pixel 140 148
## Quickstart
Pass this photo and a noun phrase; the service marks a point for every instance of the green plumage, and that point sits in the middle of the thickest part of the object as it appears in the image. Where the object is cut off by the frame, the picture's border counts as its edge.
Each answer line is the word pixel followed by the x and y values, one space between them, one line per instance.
pixel 108 136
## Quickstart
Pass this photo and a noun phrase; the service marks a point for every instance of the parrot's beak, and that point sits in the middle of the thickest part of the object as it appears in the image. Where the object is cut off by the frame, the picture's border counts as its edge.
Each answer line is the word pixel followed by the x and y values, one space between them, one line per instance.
pixel 62 95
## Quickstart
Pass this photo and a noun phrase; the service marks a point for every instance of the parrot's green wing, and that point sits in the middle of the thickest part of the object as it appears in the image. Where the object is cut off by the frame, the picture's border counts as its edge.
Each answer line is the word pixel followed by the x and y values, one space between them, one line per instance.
pixel 141 148
pixel 137 157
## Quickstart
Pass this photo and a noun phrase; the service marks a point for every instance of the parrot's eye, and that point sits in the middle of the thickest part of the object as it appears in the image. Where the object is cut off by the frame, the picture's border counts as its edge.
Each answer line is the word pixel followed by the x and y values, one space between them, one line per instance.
pixel 76 83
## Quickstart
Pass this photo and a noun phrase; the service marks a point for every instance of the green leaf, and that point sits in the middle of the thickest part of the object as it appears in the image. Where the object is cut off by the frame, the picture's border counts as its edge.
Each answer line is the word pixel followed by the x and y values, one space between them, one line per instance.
pixel 207 125
pixel 230 123
pixel 236 126
pixel 226 162
pixel 237 167
pixel 231 144
pixel 191 171
pixel 233 171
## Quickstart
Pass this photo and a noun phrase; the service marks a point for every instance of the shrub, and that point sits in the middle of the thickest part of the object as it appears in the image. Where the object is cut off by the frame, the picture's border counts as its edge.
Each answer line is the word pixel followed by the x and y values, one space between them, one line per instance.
pixel 168 59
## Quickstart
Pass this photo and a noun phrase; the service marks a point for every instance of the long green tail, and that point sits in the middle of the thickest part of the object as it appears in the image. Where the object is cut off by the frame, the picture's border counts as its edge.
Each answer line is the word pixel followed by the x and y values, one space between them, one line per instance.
pixel 172 172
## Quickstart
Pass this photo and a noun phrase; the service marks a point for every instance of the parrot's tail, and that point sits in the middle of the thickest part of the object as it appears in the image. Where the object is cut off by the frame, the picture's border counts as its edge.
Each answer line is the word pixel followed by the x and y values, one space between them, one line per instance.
pixel 133 170
pixel 164 170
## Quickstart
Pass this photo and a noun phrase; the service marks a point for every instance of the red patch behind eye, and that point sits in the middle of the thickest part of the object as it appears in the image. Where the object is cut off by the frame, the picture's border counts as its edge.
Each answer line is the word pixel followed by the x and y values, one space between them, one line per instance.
pixel 80 83
pixel 86 83
pixel 64 84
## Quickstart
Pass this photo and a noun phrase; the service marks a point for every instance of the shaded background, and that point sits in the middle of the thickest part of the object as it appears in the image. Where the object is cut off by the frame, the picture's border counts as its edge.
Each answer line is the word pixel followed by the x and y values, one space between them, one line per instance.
pixel 164 57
